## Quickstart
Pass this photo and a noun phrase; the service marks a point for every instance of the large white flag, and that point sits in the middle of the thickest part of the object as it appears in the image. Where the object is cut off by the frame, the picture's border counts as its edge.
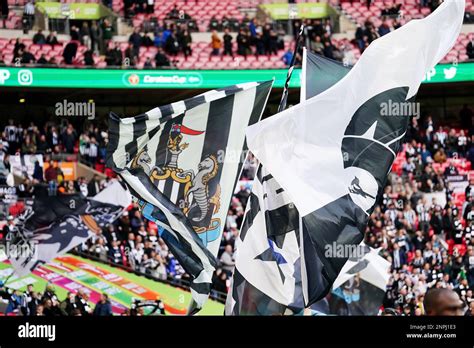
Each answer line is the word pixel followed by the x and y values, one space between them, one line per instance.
pixel 332 153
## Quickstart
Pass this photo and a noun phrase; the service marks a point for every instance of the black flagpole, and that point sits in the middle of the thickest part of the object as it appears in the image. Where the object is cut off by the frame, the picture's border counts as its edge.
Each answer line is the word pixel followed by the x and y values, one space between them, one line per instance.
pixel 284 97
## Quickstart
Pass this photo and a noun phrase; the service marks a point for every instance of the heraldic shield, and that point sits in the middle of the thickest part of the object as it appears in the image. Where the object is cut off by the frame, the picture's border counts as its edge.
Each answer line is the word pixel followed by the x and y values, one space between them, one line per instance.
pixel 193 190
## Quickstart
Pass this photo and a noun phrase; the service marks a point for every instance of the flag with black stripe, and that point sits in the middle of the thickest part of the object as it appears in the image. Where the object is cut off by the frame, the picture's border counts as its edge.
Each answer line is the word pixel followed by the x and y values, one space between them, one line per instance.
pixel 56 224
pixel 182 161
pixel 331 154
pixel 360 287
pixel 253 293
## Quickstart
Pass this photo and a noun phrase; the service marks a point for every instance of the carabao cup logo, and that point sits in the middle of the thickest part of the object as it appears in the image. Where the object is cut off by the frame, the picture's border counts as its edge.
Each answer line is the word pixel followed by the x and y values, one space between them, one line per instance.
pixel 133 79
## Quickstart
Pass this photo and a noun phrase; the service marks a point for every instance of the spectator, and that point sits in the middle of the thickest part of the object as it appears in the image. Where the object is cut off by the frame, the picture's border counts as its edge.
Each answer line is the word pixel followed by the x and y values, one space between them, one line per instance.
pixel 171 44
pixel 51 39
pixel 28 16
pixel 227 260
pixel 160 59
pixel 4 9
pixel 287 57
pixel 228 43
pixel 106 34
pixel 38 172
pixel 443 302
pixel 135 40
pixel 42 60
pixel 85 35
pixel 89 58
pixel 39 38
pixel 470 48
pixel 185 41
pixel 103 307
pixel 70 52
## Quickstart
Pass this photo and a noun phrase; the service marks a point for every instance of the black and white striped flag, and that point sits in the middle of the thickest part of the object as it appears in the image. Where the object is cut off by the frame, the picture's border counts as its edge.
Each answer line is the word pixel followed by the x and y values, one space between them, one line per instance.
pixel 182 161
pixel 271 227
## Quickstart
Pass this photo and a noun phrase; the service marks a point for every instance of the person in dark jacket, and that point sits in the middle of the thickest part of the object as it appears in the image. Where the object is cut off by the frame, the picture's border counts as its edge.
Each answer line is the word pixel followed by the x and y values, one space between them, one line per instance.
pixel 69 305
pixel 82 302
pixel 227 43
pixel 88 58
pixel 5 11
pixel 93 187
pixel 70 52
pixel 161 59
pixel 103 307
pixel 14 303
pixel 437 221
pixel 136 40
pixel 51 39
pixel 39 38
pixel 38 172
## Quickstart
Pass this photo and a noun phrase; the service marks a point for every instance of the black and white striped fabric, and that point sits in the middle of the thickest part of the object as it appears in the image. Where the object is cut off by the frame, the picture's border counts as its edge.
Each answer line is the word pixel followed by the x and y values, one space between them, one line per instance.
pixel 271 217
pixel 182 161
pixel 267 274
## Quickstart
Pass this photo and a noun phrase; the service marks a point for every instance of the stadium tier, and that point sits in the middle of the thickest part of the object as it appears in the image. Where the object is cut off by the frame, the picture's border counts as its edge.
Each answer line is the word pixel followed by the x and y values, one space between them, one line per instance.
pixel 189 34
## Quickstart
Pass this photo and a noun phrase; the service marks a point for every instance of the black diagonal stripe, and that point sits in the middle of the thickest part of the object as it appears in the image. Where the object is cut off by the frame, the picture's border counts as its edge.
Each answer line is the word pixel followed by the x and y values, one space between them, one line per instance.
pixel 258 174
pixel 217 136
pixel 201 288
pixel 166 111
pixel 281 220
pixel 318 281
pixel 280 190
pixel 175 211
pixel 153 132
pixel 250 215
pixel 229 90
pixel 139 129
pixel 114 135
pixel 266 178
pixel 193 102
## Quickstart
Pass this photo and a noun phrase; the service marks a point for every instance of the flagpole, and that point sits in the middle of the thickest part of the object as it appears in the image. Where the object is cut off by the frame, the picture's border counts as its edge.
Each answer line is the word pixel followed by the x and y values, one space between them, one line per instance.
pixel 284 97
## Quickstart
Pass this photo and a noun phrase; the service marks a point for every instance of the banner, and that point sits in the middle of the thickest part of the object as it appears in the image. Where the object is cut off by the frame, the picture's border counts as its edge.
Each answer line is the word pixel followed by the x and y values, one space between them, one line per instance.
pixel 285 11
pixel 457 183
pixel 182 79
pixel 21 164
pixel 85 11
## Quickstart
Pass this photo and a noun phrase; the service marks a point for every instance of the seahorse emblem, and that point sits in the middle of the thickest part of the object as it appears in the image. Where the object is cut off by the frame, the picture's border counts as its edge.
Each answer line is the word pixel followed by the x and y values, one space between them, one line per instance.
pixel 207 169
pixel 143 160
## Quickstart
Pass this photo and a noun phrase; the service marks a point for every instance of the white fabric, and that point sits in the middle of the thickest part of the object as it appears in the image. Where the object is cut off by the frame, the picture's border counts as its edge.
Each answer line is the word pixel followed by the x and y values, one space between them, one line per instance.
pixel 301 146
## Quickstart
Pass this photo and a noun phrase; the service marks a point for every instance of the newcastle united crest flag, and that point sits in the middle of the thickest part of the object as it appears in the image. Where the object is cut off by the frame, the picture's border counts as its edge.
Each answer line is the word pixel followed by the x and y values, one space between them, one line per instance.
pixel 182 161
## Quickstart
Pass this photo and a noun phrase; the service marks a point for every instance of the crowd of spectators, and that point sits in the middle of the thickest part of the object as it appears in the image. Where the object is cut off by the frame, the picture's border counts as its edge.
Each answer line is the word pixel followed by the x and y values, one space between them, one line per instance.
pixel 429 243
pixel 132 242
pixel 32 302
pixel 420 226
pixel 47 303
pixel 52 140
